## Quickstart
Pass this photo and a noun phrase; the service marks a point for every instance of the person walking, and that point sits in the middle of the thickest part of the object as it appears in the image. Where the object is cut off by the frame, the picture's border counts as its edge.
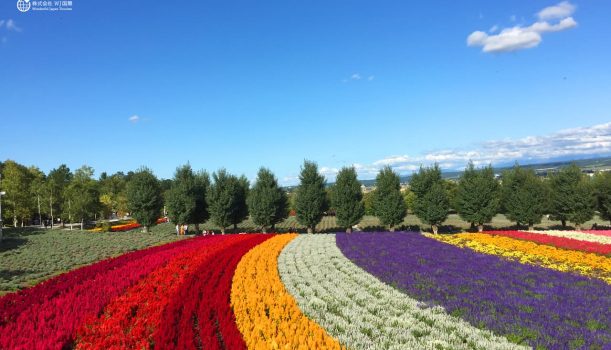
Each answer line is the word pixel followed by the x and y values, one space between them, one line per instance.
pixel 177 230
pixel 186 230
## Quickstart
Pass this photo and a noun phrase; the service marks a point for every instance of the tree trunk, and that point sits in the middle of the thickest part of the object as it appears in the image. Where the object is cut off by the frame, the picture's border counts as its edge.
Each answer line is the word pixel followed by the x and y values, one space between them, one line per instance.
pixel 197 232
pixel 310 230
pixel 473 226
pixel 82 224
pixel 349 230
pixel 222 230
pixel 145 229
pixel 577 227
pixel 480 228
pixel 434 228
pixel 235 228
pixel 563 221
pixel 264 229
pixel 273 229
pixel 531 227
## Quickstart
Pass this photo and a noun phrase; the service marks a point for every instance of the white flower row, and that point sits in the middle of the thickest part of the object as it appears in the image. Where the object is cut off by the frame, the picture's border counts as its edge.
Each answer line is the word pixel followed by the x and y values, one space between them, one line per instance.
pixel 364 313
pixel 582 236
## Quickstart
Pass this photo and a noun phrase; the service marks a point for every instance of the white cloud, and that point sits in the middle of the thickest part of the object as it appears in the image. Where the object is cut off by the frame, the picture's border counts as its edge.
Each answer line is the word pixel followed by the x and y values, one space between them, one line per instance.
pixel 355 76
pixel 562 10
pixel 570 143
pixel 10 25
pixel 371 77
pixel 493 29
pixel 523 37
pixel 134 118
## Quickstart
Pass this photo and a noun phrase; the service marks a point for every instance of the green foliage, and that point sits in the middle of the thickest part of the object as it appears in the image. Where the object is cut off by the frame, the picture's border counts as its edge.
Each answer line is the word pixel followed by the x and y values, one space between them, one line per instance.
pixel 144 199
pixel 368 203
pixel 347 198
pixel 311 200
pixel 240 189
pixel 113 194
pixel 57 182
pixel 83 195
pixel 30 256
pixel 17 203
pixel 572 197
pixel 477 196
pixel 180 199
pixel 388 203
pixel 602 190
pixel 267 202
pixel 227 199
pixel 524 196
pixel 201 186
pixel 432 204
pixel 409 198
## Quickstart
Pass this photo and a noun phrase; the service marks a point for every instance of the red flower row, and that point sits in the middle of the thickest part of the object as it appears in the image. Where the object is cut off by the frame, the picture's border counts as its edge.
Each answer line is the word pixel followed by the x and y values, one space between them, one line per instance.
pixel 200 315
pixel 559 242
pixel 129 320
pixel 48 315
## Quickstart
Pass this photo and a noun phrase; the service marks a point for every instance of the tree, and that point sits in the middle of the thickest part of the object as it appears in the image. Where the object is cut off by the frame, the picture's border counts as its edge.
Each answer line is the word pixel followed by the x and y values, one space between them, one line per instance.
pixel 240 189
pixel 602 190
pixel 58 180
pixel 524 196
pixel 180 199
pixel 38 192
pixel 432 204
pixel 144 199
pixel 388 202
pixel 572 197
pixel 16 181
pixel 584 202
pixel 368 198
pixel 477 197
pixel 267 202
pixel 310 200
pixel 222 198
pixel 83 195
pixel 348 199
pixel 200 190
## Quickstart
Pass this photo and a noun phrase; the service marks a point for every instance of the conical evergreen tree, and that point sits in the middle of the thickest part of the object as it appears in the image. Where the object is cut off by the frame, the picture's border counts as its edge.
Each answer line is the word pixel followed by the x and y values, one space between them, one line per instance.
pixel 432 204
pixel 311 198
pixel 524 196
pixel 267 202
pixel 144 199
pixel 388 203
pixel 477 198
pixel 347 199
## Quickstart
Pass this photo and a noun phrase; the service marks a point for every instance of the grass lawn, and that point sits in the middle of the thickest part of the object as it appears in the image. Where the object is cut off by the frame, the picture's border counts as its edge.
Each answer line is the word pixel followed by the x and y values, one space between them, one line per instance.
pixel 28 256
pixel 411 222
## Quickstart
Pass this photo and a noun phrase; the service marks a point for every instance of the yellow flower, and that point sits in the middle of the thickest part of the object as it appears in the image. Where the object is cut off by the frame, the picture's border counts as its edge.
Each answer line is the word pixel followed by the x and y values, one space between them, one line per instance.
pixel 266 314
pixel 587 264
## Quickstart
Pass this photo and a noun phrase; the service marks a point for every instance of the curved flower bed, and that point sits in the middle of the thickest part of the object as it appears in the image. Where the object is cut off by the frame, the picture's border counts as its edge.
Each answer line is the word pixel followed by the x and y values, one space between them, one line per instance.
pixel 129 320
pixel 599 232
pixel 53 316
pixel 528 304
pixel 364 313
pixel 200 316
pixel 560 242
pixel 587 264
pixel 266 314
pixel 579 235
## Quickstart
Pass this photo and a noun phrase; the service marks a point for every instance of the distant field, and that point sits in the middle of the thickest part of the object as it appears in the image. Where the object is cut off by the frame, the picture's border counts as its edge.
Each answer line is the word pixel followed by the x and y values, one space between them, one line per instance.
pixel 371 223
pixel 28 256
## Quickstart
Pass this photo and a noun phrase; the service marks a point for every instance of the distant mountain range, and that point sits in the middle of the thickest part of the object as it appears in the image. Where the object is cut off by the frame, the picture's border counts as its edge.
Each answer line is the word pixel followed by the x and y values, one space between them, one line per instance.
pixel 589 164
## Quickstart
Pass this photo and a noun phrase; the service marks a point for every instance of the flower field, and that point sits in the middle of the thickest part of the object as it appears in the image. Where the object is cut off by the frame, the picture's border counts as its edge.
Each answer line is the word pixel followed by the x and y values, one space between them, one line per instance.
pixel 403 290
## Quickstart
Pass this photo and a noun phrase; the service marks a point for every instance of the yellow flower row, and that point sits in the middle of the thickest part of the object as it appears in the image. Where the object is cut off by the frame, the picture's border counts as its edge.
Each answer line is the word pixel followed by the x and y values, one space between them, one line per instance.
pixel 588 264
pixel 266 314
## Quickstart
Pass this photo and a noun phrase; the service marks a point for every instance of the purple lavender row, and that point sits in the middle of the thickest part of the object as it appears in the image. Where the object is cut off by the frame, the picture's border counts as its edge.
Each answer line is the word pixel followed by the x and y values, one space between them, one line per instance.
pixel 528 304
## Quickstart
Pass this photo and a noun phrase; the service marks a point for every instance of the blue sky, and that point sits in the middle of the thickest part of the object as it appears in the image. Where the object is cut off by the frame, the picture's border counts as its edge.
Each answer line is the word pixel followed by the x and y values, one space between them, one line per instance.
pixel 244 84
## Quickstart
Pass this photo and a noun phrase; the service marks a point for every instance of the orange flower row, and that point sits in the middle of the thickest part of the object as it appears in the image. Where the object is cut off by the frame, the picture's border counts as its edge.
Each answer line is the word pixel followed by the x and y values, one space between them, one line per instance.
pixel 266 314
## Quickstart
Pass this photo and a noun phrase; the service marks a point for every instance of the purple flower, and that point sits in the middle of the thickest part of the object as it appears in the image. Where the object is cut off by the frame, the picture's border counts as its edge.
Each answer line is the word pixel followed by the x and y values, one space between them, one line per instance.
pixel 528 304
